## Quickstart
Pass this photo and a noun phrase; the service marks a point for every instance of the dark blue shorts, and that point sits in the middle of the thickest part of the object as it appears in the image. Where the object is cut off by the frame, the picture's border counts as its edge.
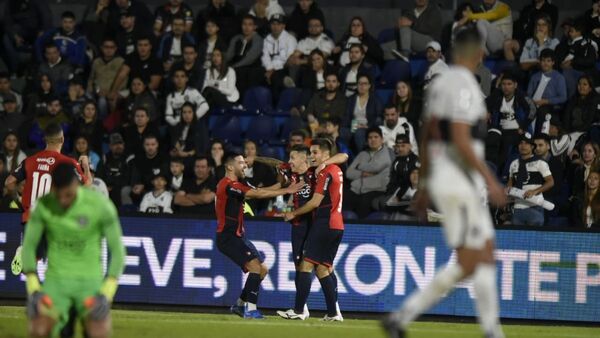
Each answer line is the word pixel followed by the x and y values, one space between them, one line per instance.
pixel 322 244
pixel 299 235
pixel 238 249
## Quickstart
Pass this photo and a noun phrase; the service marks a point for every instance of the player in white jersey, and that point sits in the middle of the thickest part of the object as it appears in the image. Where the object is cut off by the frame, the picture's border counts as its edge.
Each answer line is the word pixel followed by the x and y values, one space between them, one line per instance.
pixel 452 164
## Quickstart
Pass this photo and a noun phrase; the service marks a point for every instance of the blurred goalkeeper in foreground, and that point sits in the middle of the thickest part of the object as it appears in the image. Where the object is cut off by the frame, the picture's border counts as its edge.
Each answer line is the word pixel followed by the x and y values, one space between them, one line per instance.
pixel 75 220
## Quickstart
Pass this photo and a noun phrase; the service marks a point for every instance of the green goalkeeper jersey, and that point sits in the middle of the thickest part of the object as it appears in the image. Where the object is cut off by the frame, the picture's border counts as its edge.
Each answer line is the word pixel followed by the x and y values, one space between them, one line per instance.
pixel 74 237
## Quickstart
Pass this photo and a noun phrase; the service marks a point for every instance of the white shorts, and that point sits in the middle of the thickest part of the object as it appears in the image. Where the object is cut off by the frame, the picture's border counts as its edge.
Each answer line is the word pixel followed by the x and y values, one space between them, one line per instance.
pixel 461 199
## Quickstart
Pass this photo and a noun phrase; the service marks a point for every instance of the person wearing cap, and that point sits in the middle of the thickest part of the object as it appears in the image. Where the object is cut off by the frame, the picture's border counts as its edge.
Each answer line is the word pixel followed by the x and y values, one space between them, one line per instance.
pixel 264 11
pixel 6 88
pixel 277 49
pixel 531 174
pixel 115 170
pixel 137 8
pixel 435 59
pixel 394 125
pixel 160 199
pixel 71 43
pixel 127 32
pixel 418 26
pixel 166 14
pixel 494 23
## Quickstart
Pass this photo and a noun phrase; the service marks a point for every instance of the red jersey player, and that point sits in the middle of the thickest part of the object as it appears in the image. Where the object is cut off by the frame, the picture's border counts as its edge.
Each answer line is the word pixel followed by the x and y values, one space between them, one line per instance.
pixel 326 232
pixel 229 207
pixel 36 171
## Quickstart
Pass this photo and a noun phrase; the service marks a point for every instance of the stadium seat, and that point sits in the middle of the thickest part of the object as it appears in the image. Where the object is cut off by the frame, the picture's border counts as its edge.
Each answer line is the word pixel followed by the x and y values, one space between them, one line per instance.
pixel 377 216
pixel 258 99
pixel 290 125
pixel 384 95
pixel 228 128
pixel 347 214
pixel 261 129
pixel 386 35
pixel 418 68
pixel 289 98
pixel 394 71
pixel 271 152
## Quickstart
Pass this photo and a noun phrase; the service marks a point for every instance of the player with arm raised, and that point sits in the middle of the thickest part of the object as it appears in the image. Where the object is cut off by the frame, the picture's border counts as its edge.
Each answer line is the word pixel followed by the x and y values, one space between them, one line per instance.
pixel 229 205
pixel 325 234
pixel 454 176
pixel 74 220
pixel 36 171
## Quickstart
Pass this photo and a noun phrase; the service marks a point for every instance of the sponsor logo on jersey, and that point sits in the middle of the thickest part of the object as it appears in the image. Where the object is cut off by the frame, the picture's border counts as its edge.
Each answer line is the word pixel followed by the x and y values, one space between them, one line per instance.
pixel 48 160
pixel 83 221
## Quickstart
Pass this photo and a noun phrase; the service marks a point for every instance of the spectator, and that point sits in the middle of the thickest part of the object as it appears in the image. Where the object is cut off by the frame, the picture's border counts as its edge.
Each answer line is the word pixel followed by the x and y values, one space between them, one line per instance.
pixel 526 25
pixel 219 83
pixel 76 97
pixel 115 170
pixel 82 147
pixel 142 64
pixel 582 110
pixel 484 78
pixel 10 118
pixel 98 184
pixel 400 172
pixel 331 127
pixel 511 114
pixel 145 165
pixel 89 125
pixel 547 87
pixel 297 137
pixel 417 27
pixel 532 175
pixel 12 150
pixel 461 21
pixel 300 17
pixel 177 168
pixel 68 39
pixel 217 153
pixel 494 23
pixel 165 16
pixel 257 174
pixel 3 175
pixel 128 32
pixel 184 136
pixel 54 114
pixel 312 77
pixel 192 67
pixel 357 35
pixel 59 70
pixel 197 195
pixel 591 203
pixel 140 96
pixel 135 134
pixel 327 103
pixel 394 125
pixel 213 41
pixel 577 56
pixel 277 48
pixel 368 175
pixel 244 55
pixel 160 199
pixel 357 66
pixel 316 40
pixel 264 11
pixel 182 94
pixel 6 88
pixel 363 111
pixel 592 21
pixel 23 22
pixel 406 104
pixel 35 103
pixel 589 162
pixel 94 22
pixel 171 45
pixel 555 164
pixel 435 59
pixel 137 8
pixel 103 73
pixel 540 39
pixel 223 12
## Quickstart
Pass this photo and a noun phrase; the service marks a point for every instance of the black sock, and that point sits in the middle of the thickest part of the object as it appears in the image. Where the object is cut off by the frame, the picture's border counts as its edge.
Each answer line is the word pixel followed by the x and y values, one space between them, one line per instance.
pixel 328 286
pixel 303 281
pixel 244 295
pixel 334 277
pixel 251 288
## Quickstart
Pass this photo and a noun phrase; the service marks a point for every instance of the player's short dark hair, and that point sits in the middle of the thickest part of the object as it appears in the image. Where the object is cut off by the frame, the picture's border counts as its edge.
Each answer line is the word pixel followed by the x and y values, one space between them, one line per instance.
pixel 547 53
pixel 325 144
pixel 301 148
pixel 376 130
pixel 63 175
pixel 67 15
pixel 467 38
pixel 230 157
pixel 52 130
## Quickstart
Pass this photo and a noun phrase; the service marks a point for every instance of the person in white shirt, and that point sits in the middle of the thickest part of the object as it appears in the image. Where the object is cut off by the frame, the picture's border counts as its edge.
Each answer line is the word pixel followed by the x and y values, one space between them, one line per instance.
pixel 277 49
pixel 316 39
pixel 434 56
pixel 181 95
pixel 159 200
pixel 394 125
pixel 219 83
pixel 98 184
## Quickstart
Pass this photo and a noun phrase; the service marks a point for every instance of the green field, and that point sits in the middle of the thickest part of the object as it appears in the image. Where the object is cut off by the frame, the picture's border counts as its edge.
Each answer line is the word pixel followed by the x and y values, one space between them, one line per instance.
pixel 143 324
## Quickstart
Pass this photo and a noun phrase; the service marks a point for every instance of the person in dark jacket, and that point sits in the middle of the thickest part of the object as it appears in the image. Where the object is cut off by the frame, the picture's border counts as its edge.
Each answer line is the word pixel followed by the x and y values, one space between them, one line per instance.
pixel 243 55
pixel 192 67
pixel 302 13
pixel 357 34
pixel 23 21
pixel 212 41
pixel 363 111
pixel 136 7
pixel 312 76
pixel 592 21
pixel 166 52
pixel 135 133
pixel 58 69
pixel 68 39
pixel 90 126
pixel 524 26
pixel 115 171
pixel 415 32
pixel 583 109
pixel 144 165
pixel 165 14
pixel 329 102
pixel 223 13
pixel 358 65
pixel 184 139
pixel 140 96
pixel 128 32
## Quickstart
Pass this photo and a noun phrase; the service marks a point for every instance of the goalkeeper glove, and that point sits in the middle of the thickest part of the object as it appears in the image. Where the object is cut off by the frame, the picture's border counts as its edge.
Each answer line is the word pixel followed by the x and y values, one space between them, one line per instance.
pixel 32 283
pixel 98 307
pixel 109 288
pixel 39 303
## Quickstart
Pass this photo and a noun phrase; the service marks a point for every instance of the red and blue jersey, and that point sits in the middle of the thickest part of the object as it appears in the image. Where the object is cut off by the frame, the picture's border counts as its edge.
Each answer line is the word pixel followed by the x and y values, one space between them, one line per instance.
pixel 229 206
pixel 330 184
pixel 304 195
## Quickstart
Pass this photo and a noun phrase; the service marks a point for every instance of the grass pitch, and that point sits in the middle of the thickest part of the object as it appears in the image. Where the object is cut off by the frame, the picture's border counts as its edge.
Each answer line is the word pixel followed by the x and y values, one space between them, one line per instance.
pixel 143 324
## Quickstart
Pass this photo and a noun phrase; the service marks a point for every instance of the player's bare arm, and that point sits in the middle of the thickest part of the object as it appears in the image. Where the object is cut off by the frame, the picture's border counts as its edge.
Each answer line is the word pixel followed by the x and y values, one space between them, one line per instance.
pixel 548 184
pixel 262 193
pixel 272 162
pixel 338 159
pixel 10 184
pixel 314 202
pixel 85 165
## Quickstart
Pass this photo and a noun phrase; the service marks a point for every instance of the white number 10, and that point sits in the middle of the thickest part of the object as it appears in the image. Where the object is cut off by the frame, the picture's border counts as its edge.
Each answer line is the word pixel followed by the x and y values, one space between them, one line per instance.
pixel 339 208
pixel 41 186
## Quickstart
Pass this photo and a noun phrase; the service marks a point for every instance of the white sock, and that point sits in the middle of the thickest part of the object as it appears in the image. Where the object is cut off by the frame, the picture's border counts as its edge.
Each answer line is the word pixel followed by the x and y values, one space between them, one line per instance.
pixel 240 302
pixel 486 299
pixel 443 281
pixel 251 306
pixel 305 310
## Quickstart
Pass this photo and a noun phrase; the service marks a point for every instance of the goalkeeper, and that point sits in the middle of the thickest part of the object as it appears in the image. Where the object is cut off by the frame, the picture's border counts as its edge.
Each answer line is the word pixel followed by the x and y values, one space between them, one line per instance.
pixel 74 220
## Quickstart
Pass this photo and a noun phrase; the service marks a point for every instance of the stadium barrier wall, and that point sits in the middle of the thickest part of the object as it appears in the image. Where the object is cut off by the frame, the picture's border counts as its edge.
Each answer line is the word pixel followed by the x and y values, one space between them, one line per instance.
pixel 541 275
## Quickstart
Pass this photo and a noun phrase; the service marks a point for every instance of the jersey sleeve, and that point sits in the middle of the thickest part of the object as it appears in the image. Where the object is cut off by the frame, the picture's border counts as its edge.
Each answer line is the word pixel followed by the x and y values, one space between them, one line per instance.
pixel 33 235
pixel 237 190
pixel 323 181
pixel 82 178
pixel 20 173
pixel 544 169
pixel 111 227
pixel 454 101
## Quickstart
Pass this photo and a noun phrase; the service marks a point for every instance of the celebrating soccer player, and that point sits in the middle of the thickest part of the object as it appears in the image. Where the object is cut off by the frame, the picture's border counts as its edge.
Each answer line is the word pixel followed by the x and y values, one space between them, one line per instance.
pixel 231 193
pixel 74 220
pixel 325 234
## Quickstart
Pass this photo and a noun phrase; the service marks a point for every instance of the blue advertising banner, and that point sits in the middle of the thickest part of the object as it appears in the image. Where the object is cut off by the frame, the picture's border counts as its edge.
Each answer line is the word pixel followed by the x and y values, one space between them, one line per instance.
pixel 541 275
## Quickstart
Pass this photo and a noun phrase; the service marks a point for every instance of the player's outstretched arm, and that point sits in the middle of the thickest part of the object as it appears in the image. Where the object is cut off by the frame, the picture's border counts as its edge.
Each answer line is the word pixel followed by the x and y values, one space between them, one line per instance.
pixel 339 158
pixel 113 233
pixel 261 193
pixel 272 162
pixel 314 202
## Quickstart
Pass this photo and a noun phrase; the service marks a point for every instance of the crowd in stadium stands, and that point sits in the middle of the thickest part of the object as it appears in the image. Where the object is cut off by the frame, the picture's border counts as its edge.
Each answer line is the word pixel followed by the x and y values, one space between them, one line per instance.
pixel 156 100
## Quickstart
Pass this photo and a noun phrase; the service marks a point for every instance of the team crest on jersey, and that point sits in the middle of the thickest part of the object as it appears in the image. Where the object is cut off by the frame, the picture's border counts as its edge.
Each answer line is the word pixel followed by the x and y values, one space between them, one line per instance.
pixel 83 221
pixel 156 171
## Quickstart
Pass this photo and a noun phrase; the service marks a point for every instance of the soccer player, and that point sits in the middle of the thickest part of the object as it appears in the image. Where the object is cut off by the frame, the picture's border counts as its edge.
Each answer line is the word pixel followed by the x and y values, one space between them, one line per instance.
pixel 229 207
pixel 74 219
pixel 455 175
pixel 298 169
pixel 325 234
pixel 36 172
